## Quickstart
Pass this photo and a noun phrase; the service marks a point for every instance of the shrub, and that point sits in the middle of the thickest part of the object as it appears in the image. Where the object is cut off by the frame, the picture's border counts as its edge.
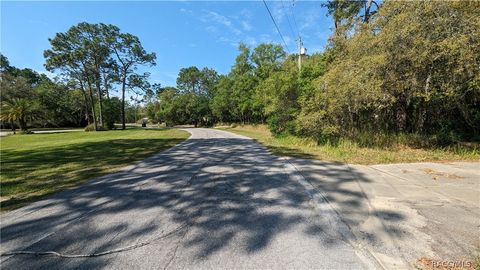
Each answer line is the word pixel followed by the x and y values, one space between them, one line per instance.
pixel 91 127
pixel 111 108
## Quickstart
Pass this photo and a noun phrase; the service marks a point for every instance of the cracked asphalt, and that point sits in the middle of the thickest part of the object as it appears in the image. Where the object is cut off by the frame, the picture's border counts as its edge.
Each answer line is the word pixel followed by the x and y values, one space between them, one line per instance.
pixel 217 200
pixel 221 201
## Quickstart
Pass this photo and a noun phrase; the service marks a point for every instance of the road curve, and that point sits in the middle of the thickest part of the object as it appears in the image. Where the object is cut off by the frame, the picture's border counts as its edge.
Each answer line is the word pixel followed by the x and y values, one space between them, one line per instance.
pixel 217 200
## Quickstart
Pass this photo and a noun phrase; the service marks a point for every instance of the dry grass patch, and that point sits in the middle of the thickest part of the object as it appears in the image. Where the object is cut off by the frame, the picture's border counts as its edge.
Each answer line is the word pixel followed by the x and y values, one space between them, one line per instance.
pixel 351 152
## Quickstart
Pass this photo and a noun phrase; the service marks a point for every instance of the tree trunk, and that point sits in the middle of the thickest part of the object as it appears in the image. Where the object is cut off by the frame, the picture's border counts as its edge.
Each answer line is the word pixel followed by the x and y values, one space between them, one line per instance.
pixel 92 105
pixel 105 82
pixel 401 114
pixel 368 5
pixel 23 124
pixel 13 127
pixel 90 91
pixel 99 93
pixel 124 82
pixel 87 114
pixel 422 112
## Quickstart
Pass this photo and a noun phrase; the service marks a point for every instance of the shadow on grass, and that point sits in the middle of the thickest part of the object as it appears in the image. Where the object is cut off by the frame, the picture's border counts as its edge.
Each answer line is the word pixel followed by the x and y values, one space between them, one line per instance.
pixel 29 175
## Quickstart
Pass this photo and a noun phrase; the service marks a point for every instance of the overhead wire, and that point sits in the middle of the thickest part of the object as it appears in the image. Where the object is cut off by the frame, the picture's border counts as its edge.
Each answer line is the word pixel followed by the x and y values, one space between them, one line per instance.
pixel 276 26
pixel 288 19
pixel 294 20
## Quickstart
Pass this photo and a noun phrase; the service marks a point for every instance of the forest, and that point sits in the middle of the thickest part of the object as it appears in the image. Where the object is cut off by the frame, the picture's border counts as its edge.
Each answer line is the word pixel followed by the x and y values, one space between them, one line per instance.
pixel 407 68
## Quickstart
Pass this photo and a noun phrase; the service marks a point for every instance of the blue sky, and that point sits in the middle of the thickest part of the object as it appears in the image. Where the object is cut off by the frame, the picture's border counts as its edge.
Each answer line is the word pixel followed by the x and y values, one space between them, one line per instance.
pixel 182 33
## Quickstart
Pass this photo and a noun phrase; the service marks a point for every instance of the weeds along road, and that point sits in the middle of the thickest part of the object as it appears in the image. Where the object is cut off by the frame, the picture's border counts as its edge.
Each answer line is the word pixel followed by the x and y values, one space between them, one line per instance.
pixel 217 200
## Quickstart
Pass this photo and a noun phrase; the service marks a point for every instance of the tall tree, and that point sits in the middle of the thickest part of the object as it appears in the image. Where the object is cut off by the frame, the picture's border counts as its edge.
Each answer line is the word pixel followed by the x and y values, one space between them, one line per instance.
pixel 208 80
pixel 80 53
pixel 189 79
pixel 267 58
pixel 343 11
pixel 129 54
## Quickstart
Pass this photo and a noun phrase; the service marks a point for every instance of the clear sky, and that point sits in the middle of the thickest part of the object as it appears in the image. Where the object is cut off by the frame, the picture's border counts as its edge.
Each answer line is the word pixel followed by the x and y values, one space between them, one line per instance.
pixel 182 33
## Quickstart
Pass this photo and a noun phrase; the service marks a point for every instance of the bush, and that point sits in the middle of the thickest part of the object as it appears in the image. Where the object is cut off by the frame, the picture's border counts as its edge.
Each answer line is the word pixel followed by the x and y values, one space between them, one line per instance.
pixel 111 108
pixel 91 127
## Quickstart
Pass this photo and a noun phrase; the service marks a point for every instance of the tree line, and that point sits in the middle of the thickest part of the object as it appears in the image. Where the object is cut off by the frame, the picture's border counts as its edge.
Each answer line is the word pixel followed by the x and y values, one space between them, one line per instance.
pixel 389 68
pixel 92 61
pixel 31 99
pixel 411 67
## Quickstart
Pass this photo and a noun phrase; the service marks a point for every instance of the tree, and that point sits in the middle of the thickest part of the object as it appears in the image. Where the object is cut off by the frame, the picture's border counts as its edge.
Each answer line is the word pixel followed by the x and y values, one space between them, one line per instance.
pixel 129 54
pixel 189 80
pixel 112 106
pixel 70 55
pixel 20 110
pixel 241 90
pixel 167 110
pixel 412 69
pixel 221 103
pixel 4 64
pixel 208 80
pixel 343 10
pixel 62 106
pixel 280 98
pixel 16 95
pixel 243 62
pixel 267 58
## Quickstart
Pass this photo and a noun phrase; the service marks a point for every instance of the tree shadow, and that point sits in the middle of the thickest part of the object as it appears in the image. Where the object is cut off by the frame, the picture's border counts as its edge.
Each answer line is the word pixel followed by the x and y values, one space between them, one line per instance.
pixel 203 197
pixel 47 170
pixel 343 187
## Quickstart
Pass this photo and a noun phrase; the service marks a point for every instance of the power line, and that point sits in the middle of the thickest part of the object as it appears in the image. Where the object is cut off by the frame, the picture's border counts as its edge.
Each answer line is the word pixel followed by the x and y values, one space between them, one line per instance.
pixel 275 23
pixel 294 20
pixel 288 20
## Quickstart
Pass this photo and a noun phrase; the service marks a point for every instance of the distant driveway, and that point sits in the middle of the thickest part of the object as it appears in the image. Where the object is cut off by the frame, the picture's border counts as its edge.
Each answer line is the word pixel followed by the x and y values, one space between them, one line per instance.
pixel 220 200
pixel 5 133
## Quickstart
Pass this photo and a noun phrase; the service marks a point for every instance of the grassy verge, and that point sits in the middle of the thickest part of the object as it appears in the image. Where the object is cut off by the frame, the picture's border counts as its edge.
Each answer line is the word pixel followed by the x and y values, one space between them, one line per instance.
pixel 351 152
pixel 36 165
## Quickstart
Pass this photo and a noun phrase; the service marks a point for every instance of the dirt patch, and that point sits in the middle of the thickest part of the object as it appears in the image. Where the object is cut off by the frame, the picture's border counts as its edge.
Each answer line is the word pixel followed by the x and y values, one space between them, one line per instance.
pixel 437 174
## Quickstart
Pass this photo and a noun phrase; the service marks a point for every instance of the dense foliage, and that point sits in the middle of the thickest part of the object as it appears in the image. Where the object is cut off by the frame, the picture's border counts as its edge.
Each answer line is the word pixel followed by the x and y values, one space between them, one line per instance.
pixel 32 99
pixel 413 67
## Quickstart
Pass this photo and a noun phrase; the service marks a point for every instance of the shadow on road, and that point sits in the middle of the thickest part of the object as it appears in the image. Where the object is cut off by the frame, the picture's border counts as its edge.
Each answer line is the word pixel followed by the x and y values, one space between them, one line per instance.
pixel 209 192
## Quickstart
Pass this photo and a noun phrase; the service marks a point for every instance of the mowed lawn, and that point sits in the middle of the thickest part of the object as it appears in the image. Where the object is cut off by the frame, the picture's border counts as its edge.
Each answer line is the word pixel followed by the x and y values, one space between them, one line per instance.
pixel 36 165
pixel 350 152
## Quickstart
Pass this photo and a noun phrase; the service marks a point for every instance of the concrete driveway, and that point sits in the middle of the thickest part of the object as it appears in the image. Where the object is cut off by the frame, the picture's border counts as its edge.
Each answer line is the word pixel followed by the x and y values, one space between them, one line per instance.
pixel 220 200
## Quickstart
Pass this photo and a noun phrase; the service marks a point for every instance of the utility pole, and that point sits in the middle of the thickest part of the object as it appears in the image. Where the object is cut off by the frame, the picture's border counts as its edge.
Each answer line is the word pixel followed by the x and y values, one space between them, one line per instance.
pixel 301 51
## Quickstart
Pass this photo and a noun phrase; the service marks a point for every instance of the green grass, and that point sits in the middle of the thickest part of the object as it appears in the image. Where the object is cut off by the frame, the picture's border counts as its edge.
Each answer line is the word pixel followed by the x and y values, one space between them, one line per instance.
pixel 350 152
pixel 34 166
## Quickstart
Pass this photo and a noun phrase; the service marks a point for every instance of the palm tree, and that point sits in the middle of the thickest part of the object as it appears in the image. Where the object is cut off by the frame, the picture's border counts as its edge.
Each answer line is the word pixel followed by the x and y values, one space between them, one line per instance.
pixel 21 110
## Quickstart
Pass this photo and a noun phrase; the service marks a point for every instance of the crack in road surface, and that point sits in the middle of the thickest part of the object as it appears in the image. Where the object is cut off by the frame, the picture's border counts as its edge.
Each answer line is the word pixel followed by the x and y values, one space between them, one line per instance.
pixel 236 206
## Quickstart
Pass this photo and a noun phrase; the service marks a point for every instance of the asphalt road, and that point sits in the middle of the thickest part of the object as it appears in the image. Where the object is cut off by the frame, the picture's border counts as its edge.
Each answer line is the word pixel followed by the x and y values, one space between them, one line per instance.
pixel 217 200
